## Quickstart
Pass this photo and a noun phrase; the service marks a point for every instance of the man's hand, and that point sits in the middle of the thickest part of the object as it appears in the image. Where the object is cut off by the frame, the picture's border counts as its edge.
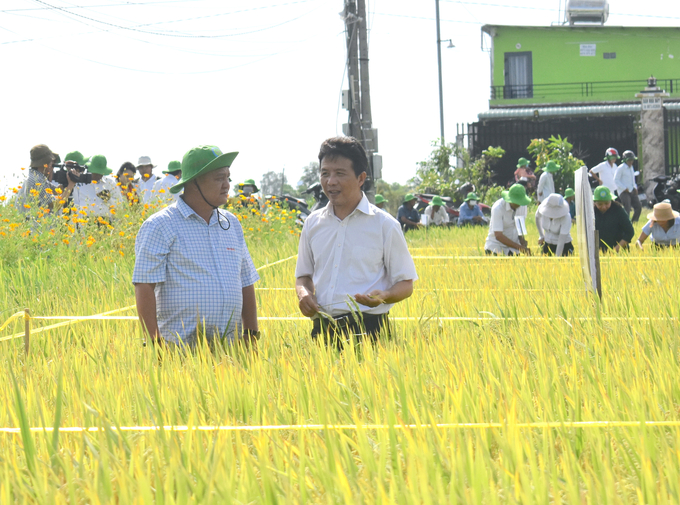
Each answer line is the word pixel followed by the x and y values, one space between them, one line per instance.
pixel 373 299
pixel 477 219
pixel 635 192
pixel 541 241
pixel 308 305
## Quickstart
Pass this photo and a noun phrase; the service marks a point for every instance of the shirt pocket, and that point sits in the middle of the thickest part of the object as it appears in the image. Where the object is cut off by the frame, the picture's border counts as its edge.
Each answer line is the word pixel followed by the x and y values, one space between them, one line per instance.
pixel 369 260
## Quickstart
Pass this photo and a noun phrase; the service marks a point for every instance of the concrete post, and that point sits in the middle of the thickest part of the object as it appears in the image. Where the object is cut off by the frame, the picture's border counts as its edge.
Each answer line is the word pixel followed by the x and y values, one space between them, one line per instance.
pixel 653 154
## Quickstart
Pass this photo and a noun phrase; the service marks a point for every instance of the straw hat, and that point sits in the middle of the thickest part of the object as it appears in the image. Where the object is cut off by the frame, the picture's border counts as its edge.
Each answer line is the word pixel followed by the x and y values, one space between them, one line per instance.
pixel 662 212
pixel 554 207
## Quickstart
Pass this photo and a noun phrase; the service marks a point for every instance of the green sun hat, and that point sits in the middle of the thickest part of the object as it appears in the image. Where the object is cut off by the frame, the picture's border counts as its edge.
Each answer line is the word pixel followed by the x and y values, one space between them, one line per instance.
pixel 471 196
pixel 569 192
pixel 173 166
pixel 551 167
pixel 522 162
pixel 199 161
pixel 409 197
pixel 603 194
pixel 380 199
pixel 250 182
pixel 517 194
pixel 97 165
pixel 437 200
pixel 76 156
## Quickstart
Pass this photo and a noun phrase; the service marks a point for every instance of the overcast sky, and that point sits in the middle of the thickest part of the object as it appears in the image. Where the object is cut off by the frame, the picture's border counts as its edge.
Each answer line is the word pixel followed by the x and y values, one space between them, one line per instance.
pixel 263 77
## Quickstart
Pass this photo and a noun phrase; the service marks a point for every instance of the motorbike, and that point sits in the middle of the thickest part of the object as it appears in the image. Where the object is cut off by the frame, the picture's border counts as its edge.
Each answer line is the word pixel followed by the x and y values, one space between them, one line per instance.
pixel 319 196
pixel 666 188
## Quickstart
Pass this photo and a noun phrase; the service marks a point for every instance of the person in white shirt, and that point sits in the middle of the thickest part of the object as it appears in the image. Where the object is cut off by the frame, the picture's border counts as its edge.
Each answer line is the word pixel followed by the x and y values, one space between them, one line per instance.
pixel 351 253
pixel 436 212
pixel 161 189
pixel 546 184
pixel 624 178
pixel 146 179
pixel 102 194
pixel 605 171
pixel 503 236
pixel 554 225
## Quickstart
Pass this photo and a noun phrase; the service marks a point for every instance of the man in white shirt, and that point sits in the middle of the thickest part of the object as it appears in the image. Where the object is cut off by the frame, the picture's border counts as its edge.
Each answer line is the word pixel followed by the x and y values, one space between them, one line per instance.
pixel 102 194
pixel 161 189
pixel 626 186
pixel 351 253
pixel 546 184
pixel 503 236
pixel 146 179
pixel 436 212
pixel 605 171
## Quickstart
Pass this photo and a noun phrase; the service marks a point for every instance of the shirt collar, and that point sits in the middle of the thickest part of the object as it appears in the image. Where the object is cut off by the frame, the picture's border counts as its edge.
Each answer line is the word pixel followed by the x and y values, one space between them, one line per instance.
pixel 363 206
pixel 187 212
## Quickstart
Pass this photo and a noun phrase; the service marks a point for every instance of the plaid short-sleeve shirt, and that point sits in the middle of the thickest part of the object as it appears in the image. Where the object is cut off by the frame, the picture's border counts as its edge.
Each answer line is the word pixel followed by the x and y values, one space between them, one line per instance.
pixel 199 270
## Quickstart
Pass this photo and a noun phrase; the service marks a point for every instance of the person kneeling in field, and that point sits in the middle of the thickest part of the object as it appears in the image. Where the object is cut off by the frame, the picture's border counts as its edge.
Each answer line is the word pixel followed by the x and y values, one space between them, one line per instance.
pixel 351 253
pixel 193 273
pixel 554 224
pixel 436 212
pixel 469 212
pixel 612 221
pixel 663 226
pixel 503 237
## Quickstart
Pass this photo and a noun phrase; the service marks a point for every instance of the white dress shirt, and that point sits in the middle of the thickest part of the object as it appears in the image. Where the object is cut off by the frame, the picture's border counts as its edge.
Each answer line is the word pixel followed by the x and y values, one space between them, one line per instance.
pixel 605 171
pixel 624 178
pixel 363 252
pixel 503 220
pixel 161 189
pixel 439 218
pixel 550 229
pixel 97 198
pixel 145 188
pixel 546 186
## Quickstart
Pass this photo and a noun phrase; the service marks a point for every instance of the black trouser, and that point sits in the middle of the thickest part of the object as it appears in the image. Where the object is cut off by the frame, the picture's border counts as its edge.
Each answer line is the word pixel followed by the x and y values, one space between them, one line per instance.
pixel 551 249
pixel 494 253
pixel 337 331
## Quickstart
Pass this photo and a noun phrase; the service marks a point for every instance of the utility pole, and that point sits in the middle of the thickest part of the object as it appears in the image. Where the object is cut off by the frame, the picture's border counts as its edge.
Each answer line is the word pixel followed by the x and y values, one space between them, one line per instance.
pixel 358 97
pixel 439 65
pixel 283 179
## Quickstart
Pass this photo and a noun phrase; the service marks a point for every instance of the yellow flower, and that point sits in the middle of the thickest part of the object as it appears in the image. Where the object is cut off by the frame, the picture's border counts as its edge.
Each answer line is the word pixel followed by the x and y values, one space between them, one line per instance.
pixel 65 241
pixel 2 198
pixel 27 206
pixel 58 190
pixel 121 233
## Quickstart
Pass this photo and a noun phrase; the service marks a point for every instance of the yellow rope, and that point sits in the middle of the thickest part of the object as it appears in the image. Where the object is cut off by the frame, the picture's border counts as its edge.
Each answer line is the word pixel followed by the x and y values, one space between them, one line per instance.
pixel 276 262
pixel 11 318
pixel 354 427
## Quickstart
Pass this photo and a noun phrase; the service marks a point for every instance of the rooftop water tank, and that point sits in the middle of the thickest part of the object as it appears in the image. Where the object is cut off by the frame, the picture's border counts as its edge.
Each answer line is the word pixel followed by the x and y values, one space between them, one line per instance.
pixel 587 11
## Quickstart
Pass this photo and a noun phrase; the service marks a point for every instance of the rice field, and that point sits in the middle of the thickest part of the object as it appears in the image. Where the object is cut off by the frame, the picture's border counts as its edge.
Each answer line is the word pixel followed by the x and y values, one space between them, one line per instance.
pixel 504 341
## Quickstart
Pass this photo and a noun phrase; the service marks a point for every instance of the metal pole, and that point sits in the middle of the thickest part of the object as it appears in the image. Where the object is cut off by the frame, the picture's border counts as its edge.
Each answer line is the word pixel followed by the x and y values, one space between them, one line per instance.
pixel 439 64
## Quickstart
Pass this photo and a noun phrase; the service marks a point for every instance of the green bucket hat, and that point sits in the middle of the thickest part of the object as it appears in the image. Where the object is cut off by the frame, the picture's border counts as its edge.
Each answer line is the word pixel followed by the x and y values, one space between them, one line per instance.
pixel 437 200
pixel 250 182
pixel 517 194
pixel 522 162
pixel 568 193
pixel 409 197
pixel 199 161
pixel 173 166
pixel 97 165
pixel 75 156
pixel 551 167
pixel 471 196
pixel 380 199
pixel 602 194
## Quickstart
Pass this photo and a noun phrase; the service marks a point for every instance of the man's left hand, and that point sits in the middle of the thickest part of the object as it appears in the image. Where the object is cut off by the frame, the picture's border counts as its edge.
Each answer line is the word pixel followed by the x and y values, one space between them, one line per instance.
pixel 373 299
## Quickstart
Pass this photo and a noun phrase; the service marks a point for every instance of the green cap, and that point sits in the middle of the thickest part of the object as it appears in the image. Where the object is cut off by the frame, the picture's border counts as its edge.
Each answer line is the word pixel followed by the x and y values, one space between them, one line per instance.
pixel 522 162
pixel 471 196
pixel 517 194
pixel 173 166
pixel 97 165
pixel 199 161
pixel 568 192
pixel 551 167
pixel 75 156
pixel 250 182
pixel 409 197
pixel 380 199
pixel 602 194
pixel 437 200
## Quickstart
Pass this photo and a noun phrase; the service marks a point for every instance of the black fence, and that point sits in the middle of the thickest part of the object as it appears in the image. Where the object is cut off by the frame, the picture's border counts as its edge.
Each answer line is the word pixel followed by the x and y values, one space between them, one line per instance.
pixel 581 89
pixel 672 137
pixel 589 136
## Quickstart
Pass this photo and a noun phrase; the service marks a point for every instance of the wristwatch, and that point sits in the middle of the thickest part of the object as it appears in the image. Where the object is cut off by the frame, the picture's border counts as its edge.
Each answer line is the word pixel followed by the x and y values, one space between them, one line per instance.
pixel 251 333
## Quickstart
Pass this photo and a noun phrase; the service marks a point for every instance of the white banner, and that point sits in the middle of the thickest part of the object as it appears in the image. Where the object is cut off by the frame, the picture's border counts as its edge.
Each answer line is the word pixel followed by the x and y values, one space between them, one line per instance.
pixel 585 228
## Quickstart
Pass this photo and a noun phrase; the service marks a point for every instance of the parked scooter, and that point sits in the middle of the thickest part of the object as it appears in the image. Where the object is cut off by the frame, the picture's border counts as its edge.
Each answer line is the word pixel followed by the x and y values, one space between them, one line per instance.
pixel 320 197
pixel 666 188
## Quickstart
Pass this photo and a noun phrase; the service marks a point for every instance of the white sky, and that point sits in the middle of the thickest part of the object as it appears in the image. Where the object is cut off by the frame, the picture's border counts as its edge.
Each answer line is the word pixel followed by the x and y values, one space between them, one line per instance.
pixel 262 77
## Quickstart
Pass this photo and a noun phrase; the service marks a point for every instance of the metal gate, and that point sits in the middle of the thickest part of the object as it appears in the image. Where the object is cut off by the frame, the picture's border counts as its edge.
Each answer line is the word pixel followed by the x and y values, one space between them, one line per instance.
pixel 672 138
pixel 590 136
